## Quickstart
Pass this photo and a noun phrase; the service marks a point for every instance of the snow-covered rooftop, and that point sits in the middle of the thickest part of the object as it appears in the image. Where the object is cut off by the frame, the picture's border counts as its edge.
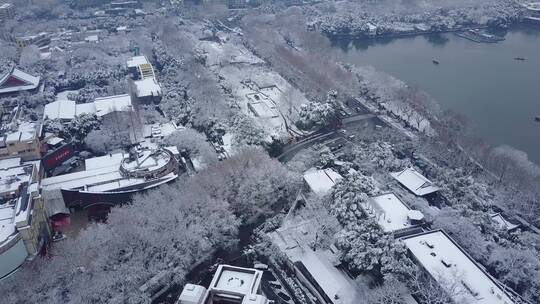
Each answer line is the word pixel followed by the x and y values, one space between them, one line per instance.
pixel 9 162
pixel 321 181
pixel 335 283
pixel 25 132
pixel 106 105
pixel 237 284
pixel 85 108
pixel 449 265
pixel 54 140
pixel 502 222
pixel 7 222
pixel 192 293
pixel 60 109
pixel 81 179
pixel 391 213
pixel 261 109
pixel 17 80
pixel 12 177
pixel 136 61
pixel 15 187
pixel 147 87
pixel 92 38
pixel 100 162
pixel 104 173
pixel 97 181
pixel 147 160
pixel 415 182
pixel 68 109
pixel 235 279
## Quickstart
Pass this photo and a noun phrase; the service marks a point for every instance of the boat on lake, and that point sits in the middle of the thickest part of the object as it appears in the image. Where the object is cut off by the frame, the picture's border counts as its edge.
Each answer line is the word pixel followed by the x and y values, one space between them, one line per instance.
pixel 435 61
pixel 519 58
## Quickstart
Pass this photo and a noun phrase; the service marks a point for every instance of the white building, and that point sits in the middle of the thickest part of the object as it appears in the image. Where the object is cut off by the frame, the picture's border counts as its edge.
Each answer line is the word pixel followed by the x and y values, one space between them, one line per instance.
pixel 321 181
pixel 449 265
pixel 144 82
pixel 23 224
pixel 66 110
pixel 415 182
pixel 20 139
pixel 392 214
pixel 230 285
pixel 147 89
pixel 92 39
pixel 109 104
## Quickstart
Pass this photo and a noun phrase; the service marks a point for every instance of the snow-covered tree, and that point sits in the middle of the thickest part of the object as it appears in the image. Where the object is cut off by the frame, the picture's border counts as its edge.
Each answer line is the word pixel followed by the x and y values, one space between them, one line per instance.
pixel 316 114
pixel 81 125
pixel 30 55
pixel 512 166
pixel 246 132
pixel 256 185
pixel 348 194
pixel 324 224
pixel 390 292
pixel 326 157
pixel 465 231
pixel 377 155
pixel 104 141
pixel 194 143
pixel 436 290
pixel 460 188
pixel 518 268
pixel 163 234
pixel 366 247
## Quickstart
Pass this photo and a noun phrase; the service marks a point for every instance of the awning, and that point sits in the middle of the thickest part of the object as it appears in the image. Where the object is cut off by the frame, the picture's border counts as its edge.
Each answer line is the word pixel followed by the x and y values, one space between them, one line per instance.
pixel 54 202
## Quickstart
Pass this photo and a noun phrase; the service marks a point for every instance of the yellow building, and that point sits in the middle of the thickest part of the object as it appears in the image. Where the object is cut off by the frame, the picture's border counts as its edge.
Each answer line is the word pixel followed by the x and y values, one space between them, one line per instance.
pixel 21 140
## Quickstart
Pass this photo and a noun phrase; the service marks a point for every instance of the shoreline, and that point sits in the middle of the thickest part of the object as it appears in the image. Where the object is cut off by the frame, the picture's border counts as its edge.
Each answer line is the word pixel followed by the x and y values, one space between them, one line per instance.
pixel 475 130
pixel 402 35
pixel 350 37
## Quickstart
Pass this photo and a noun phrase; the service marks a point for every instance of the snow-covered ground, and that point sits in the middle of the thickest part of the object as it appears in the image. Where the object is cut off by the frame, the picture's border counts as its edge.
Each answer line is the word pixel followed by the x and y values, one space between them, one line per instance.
pixel 64 94
pixel 278 103
pixel 246 80
pixel 227 53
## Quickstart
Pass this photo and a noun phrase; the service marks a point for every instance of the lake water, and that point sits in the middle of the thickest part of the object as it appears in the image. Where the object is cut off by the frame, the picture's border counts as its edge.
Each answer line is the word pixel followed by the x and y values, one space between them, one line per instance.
pixel 501 96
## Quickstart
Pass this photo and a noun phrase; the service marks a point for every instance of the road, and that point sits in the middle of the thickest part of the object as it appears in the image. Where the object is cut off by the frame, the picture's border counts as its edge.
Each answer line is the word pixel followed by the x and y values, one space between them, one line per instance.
pixel 324 136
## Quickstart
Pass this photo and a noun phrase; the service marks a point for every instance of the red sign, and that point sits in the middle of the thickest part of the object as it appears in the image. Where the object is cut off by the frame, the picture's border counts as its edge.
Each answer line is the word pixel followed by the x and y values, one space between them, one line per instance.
pixel 55 158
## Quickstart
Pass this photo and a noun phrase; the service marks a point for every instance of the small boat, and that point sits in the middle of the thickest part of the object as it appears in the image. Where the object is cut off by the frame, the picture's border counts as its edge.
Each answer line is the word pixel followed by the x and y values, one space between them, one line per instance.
pixel 537 118
pixel 435 61
pixel 519 58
